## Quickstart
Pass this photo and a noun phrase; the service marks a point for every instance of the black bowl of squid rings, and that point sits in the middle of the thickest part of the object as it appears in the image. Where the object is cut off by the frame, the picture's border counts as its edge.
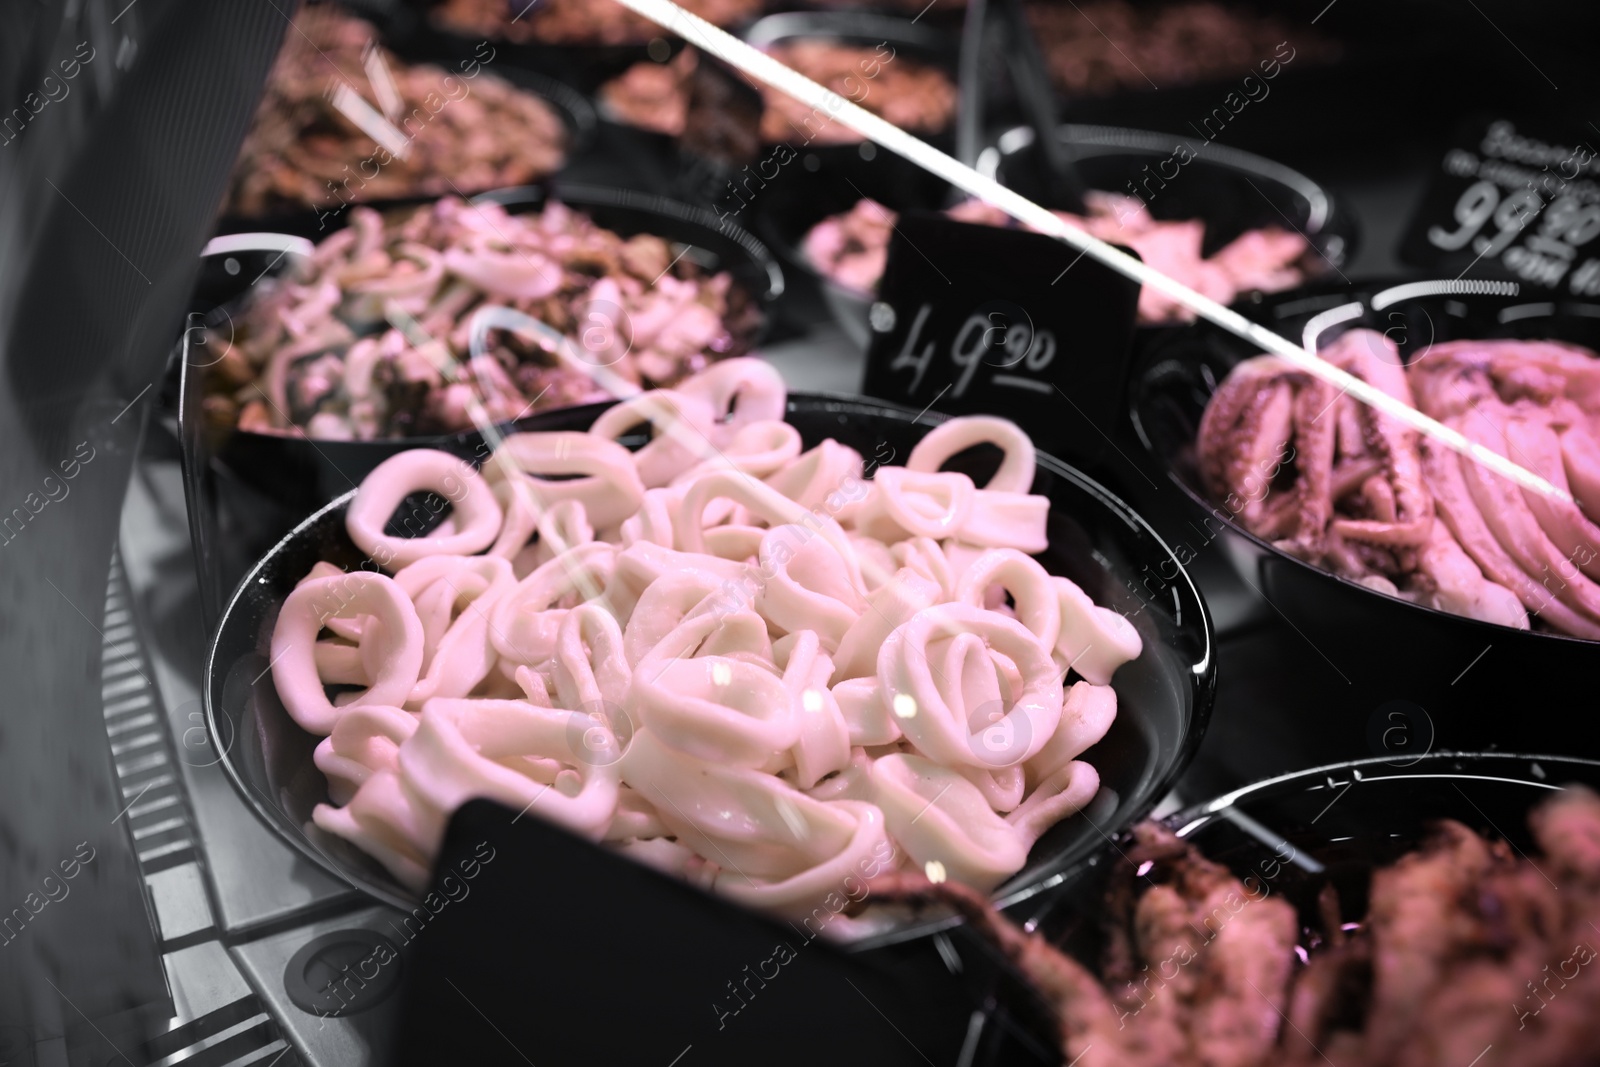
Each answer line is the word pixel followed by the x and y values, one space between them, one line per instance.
pixel 1433 643
pixel 1313 840
pixel 1163 696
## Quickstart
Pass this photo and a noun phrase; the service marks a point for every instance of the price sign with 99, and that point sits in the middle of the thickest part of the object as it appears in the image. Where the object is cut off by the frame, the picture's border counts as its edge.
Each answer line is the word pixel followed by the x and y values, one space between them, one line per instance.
pixel 986 319
pixel 1509 204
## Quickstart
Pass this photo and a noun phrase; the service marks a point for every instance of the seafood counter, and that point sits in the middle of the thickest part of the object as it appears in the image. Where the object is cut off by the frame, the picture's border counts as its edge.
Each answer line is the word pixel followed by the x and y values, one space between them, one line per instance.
pixel 601 565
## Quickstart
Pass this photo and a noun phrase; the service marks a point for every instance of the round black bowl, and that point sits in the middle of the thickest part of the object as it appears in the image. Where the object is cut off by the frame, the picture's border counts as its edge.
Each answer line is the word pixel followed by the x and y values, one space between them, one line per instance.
pixel 1232 191
pixel 1465 674
pixel 1164 696
pixel 1343 821
pixel 303 474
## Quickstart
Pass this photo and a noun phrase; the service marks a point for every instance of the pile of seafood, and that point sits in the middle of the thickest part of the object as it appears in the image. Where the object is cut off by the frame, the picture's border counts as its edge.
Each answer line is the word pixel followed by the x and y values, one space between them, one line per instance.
pixel 1329 480
pixel 731 658
pixel 914 96
pixel 370 337
pixel 852 249
pixel 1109 46
pixel 449 132
pixel 1470 954
pixel 652 96
pixel 714 113
pixel 573 22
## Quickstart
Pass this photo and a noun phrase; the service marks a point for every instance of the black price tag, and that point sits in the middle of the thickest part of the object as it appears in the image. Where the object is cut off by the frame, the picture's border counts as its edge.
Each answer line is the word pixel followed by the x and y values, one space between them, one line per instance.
pixel 983 319
pixel 1514 200
pixel 536 945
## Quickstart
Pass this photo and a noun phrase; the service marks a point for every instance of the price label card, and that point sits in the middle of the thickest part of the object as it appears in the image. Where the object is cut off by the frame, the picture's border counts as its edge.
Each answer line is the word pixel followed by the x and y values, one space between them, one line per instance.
pixel 984 319
pixel 536 945
pixel 1514 200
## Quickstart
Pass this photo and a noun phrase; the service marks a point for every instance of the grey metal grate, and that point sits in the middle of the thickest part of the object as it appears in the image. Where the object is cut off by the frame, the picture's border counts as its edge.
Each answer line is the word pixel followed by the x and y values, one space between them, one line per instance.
pixel 157 813
pixel 220 1022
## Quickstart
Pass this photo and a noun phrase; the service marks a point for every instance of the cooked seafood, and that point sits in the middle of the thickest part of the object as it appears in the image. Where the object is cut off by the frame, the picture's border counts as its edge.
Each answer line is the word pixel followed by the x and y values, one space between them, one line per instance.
pixel 1369 500
pixel 732 659
pixel 1205 970
pixel 460 131
pixel 652 96
pixel 1107 46
pixel 371 338
pixel 853 247
pixel 913 95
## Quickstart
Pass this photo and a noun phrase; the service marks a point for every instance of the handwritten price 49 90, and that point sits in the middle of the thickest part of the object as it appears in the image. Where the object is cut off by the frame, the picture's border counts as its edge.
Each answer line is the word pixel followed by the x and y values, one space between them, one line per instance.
pixel 1017 344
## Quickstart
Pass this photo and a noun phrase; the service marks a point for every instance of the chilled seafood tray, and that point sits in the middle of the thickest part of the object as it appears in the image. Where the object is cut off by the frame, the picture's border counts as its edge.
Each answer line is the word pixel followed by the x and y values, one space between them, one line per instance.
pixel 698 532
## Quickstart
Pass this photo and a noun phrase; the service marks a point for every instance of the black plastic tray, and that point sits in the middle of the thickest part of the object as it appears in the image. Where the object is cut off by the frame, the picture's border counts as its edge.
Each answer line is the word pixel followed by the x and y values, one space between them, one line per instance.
pixel 1470 676
pixel 1350 818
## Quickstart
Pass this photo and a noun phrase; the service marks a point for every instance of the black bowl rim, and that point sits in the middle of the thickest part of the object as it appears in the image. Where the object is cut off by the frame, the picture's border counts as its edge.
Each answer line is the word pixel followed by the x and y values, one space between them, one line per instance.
pixel 578 195
pixel 1190 819
pixel 577 110
pixel 1203 687
pixel 1196 816
pixel 1497 630
pixel 1324 204
pixel 1111 137
pixel 581 194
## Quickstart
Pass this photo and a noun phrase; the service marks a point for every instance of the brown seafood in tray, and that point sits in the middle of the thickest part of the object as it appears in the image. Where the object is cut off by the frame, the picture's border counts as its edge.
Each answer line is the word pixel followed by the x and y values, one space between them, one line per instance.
pixel 574 22
pixel 652 96
pixel 1470 953
pixel 1323 477
pixel 913 95
pixel 1109 46
pixel 448 131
